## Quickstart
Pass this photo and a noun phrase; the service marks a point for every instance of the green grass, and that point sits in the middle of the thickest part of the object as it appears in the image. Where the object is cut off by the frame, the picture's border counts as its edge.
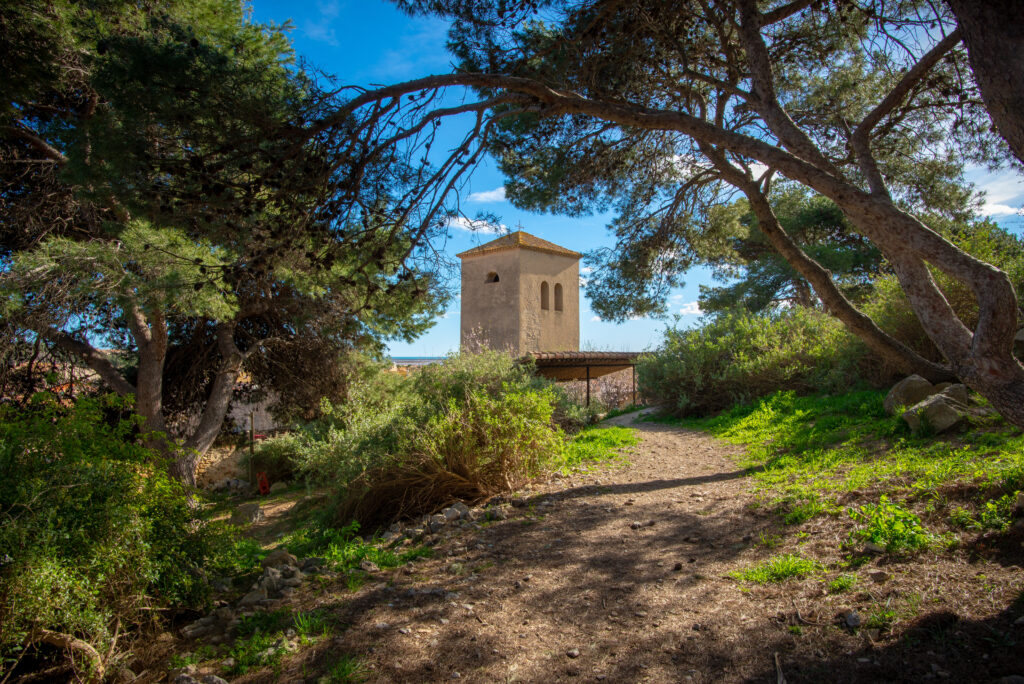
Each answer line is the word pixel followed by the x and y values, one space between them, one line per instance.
pixel 842 583
pixel 343 549
pixel 881 619
pixel 594 445
pixel 311 626
pixel 778 569
pixel 807 452
pixel 347 669
pixel 266 622
pixel 259 650
pixel 615 413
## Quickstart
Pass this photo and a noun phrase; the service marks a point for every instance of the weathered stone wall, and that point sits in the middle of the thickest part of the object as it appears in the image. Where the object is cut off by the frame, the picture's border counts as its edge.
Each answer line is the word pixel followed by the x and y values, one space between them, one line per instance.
pixel 549 329
pixel 490 310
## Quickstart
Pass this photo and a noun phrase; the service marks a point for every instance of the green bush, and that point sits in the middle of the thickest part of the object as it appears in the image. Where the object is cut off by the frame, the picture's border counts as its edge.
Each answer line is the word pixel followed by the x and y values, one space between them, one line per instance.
pixel 92 532
pixel 739 357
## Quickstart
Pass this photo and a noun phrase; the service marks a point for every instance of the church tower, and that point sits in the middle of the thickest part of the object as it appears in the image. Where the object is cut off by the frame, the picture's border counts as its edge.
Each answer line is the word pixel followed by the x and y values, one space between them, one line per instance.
pixel 521 294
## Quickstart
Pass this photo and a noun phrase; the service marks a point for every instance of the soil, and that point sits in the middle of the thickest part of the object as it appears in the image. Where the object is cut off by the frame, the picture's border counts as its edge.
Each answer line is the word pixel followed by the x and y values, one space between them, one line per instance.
pixel 570 589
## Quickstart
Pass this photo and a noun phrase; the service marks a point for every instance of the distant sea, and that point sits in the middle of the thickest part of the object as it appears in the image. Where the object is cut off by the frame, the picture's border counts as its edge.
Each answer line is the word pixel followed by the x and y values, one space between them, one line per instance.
pixel 415 360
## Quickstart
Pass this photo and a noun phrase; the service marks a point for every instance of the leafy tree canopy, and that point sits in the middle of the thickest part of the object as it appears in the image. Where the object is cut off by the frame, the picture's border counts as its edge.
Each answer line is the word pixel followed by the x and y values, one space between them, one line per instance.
pixel 168 189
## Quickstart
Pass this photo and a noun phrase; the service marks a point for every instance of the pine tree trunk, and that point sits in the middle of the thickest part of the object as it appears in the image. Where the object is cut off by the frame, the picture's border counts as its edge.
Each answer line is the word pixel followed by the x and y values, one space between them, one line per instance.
pixel 993 31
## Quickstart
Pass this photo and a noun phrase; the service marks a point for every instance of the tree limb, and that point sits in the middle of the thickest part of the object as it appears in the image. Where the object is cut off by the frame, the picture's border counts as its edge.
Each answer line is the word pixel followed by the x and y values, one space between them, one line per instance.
pixel 92 357
pixel 37 142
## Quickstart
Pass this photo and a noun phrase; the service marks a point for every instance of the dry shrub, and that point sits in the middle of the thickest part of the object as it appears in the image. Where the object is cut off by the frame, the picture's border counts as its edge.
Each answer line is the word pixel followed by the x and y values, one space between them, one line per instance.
pixel 472 450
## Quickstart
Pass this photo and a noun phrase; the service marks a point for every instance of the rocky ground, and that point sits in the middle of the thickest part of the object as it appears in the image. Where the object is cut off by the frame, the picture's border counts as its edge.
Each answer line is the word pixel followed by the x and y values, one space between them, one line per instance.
pixel 624 575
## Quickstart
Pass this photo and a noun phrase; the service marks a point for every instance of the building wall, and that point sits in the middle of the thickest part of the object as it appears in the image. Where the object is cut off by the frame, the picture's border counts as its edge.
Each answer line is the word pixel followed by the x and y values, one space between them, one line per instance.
pixel 490 311
pixel 507 315
pixel 549 329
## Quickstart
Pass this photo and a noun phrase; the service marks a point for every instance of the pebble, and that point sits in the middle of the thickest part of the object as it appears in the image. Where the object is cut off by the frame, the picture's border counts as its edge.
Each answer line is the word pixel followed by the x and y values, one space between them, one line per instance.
pixel 404 630
pixel 679 566
pixel 851 619
pixel 573 653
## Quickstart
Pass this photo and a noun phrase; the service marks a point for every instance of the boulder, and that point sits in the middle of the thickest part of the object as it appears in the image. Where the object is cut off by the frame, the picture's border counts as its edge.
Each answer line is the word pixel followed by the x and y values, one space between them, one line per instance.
pixel 277 558
pixel 957 392
pixel 462 508
pixel 312 564
pixel 907 392
pixel 246 514
pixel 278 487
pixel 253 597
pixel 437 522
pixel 939 413
pixel 450 513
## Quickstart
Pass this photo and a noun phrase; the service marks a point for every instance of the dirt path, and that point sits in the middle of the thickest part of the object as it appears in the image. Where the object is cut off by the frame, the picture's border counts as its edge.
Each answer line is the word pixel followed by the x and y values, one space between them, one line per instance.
pixel 614 576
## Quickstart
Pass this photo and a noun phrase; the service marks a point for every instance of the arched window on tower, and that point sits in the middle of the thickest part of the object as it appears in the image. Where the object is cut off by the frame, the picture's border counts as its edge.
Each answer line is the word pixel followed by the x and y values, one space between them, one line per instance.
pixel 544 295
pixel 558 297
pixel 492 277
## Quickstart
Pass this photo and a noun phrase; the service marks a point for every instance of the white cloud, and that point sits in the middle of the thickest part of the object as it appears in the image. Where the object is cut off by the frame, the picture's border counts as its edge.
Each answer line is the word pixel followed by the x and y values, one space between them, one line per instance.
pixel 691 309
pixel 595 319
pixel 476 225
pixel 994 209
pixel 586 270
pixel 495 195
pixel 676 298
pixel 1004 191
pixel 758 169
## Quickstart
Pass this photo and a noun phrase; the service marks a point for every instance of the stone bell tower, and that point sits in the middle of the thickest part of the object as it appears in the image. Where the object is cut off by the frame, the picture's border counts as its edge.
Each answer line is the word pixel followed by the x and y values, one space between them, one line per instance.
pixel 521 294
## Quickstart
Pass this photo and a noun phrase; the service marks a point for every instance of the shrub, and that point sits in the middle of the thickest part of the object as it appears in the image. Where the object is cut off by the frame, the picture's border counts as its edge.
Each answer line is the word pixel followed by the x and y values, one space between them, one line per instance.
pixel 471 450
pixel 92 532
pixel 385 412
pixel 740 357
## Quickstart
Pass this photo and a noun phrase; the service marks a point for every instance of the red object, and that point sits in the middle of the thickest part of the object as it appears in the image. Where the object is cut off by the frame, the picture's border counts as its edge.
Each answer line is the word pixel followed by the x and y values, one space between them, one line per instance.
pixel 263 483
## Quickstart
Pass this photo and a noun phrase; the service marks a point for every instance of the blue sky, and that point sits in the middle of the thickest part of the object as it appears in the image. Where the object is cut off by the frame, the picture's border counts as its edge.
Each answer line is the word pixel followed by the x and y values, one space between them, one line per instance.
pixel 369 42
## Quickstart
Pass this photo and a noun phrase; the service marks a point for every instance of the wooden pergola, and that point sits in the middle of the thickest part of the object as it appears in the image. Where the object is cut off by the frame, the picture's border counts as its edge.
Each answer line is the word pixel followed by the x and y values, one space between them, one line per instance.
pixel 583 365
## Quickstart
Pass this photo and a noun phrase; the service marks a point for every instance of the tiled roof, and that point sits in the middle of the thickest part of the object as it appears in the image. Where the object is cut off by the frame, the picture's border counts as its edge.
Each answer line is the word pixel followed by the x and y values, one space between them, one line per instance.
pixel 582 357
pixel 520 240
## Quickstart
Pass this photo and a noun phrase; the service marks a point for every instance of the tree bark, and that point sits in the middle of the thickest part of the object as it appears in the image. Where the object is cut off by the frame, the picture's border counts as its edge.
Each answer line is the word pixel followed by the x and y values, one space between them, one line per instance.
pixel 212 418
pixel 993 31
pixel 894 352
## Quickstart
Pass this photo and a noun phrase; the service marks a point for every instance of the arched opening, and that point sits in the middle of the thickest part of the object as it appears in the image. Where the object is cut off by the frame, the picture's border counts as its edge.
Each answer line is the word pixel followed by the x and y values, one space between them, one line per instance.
pixel 544 295
pixel 492 277
pixel 558 297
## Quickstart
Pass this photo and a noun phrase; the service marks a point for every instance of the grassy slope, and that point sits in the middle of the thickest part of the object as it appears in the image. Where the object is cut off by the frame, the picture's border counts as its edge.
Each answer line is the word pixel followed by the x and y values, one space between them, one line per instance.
pixel 809 452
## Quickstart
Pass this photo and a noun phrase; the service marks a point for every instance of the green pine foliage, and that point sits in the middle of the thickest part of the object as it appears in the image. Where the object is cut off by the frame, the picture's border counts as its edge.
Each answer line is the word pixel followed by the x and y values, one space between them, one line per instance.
pixel 92 532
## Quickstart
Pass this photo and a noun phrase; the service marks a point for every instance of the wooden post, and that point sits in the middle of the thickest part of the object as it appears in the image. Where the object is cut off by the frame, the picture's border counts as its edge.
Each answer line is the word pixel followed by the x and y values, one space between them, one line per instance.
pixel 588 385
pixel 252 446
pixel 634 383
